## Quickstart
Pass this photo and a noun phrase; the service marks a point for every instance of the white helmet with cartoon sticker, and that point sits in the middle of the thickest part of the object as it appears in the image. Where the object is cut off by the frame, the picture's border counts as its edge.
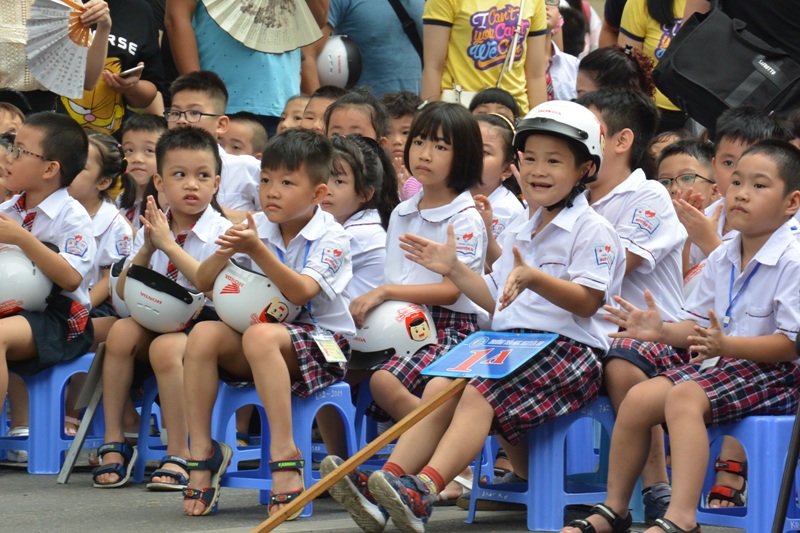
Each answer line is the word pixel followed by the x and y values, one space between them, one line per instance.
pixel 23 287
pixel 158 303
pixel 392 328
pixel 243 297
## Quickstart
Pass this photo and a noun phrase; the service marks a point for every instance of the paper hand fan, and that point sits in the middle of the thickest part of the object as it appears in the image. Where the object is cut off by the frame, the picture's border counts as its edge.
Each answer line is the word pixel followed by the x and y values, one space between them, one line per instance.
pixel 57 46
pixel 274 26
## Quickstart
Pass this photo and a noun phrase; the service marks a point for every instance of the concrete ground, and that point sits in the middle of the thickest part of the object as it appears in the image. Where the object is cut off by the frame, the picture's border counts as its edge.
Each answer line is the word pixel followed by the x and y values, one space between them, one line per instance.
pixel 39 504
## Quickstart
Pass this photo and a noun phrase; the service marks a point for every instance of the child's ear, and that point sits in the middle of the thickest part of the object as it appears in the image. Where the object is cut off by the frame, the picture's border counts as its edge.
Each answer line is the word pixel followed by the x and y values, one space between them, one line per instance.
pixel 258 155
pixel 384 142
pixel 624 141
pixel 793 203
pixel 103 184
pixel 507 171
pixel 216 184
pixel 320 192
pixel 158 182
pixel 369 194
pixel 222 125
pixel 53 170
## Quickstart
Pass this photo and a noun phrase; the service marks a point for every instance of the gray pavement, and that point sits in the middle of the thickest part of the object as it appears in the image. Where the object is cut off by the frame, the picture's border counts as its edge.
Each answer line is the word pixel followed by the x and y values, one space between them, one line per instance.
pixel 39 504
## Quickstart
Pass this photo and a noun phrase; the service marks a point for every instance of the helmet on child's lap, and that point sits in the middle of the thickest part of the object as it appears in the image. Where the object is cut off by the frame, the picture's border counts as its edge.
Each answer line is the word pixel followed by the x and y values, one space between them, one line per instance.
pixel 392 328
pixel 23 287
pixel 116 302
pixel 569 121
pixel 243 297
pixel 158 303
pixel 339 63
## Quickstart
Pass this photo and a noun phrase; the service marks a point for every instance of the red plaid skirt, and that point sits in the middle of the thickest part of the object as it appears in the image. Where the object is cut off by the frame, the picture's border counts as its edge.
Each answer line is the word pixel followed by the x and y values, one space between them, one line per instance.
pixel 738 388
pixel 563 378
pixel 317 373
pixel 452 327
pixel 652 358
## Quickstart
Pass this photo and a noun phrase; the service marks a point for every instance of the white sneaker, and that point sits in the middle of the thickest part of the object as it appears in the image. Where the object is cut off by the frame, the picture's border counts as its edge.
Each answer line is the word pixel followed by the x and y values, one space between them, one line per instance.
pixel 17 456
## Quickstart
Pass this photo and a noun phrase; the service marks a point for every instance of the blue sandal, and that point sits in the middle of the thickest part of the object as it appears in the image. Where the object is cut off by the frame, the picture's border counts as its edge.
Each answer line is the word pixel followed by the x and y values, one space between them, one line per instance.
pixel 217 464
pixel 123 470
pixel 281 498
pixel 180 480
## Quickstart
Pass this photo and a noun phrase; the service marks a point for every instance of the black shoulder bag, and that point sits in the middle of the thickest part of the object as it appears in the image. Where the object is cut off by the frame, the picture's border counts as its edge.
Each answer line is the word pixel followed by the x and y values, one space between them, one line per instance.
pixel 409 27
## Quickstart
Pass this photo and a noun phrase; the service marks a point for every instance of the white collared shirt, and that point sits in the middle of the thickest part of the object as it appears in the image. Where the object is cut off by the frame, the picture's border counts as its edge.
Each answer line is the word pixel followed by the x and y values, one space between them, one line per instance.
pixel 199 243
pixel 578 245
pixel 641 211
pixel 368 251
pixel 471 241
pixel 114 238
pixel 505 208
pixel 770 303
pixel 239 180
pixel 61 220
pixel 564 74
pixel 328 262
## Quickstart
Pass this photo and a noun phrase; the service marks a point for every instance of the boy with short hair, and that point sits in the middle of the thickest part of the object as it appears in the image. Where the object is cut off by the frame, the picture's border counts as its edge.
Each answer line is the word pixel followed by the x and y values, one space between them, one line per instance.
pixel 745 362
pixel 199 99
pixel 245 135
pixel 306 255
pixel 642 213
pixel 11 118
pixel 318 102
pixel 47 154
pixel 402 107
pixel 292 115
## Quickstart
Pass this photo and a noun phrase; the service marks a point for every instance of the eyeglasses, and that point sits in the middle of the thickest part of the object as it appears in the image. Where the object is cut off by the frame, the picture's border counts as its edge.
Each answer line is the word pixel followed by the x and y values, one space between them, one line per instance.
pixel 15 151
pixel 683 181
pixel 192 115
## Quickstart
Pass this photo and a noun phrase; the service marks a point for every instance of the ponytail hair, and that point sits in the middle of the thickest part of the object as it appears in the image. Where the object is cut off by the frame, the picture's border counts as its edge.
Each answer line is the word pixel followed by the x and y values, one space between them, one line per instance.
pixel 112 164
pixel 617 67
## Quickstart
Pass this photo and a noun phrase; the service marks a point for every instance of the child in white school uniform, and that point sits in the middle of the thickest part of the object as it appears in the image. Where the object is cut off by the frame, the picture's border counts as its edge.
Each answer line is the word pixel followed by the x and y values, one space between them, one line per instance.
pixel 172 244
pixel 140 135
pixel 306 255
pixel 741 322
pixel 47 154
pixel 576 262
pixel 642 213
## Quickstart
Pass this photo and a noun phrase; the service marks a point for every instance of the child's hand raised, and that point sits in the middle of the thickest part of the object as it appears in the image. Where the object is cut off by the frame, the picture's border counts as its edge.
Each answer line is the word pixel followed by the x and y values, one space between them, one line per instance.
pixel 485 210
pixel 637 324
pixel 156 226
pixel 436 257
pixel 242 238
pixel 709 341
pixel 521 277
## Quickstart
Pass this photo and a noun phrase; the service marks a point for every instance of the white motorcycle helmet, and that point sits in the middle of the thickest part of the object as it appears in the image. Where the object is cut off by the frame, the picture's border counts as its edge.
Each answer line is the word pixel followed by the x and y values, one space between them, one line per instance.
pixel 22 285
pixel 243 297
pixel 158 303
pixel 569 121
pixel 116 302
pixel 392 328
pixel 339 63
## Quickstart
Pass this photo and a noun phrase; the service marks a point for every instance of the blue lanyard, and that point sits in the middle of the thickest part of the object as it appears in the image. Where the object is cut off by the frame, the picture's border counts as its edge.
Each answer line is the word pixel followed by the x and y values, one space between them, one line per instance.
pixel 305 260
pixel 731 298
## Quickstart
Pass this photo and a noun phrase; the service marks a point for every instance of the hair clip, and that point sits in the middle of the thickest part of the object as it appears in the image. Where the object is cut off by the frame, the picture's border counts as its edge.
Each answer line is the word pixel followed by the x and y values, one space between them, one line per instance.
pixel 628 49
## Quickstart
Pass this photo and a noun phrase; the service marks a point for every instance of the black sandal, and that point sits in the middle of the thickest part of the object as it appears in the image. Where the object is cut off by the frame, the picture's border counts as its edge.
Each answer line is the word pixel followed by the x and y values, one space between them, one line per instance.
pixel 179 480
pixel 123 471
pixel 217 464
pixel 670 527
pixel 618 524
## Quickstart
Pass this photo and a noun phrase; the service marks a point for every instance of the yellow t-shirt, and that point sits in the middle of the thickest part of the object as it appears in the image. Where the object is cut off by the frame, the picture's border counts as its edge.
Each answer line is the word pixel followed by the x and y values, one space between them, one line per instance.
pixel 638 25
pixel 481 32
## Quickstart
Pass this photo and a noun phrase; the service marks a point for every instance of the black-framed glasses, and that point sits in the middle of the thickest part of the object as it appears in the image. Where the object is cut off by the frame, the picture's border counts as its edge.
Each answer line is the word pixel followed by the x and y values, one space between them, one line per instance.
pixel 192 115
pixel 15 151
pixel 684 181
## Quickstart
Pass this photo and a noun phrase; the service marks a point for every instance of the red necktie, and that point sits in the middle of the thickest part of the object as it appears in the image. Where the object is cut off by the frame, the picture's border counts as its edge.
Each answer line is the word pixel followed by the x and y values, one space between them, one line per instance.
pixel 27 223
pixel 548 81
pixel 172 270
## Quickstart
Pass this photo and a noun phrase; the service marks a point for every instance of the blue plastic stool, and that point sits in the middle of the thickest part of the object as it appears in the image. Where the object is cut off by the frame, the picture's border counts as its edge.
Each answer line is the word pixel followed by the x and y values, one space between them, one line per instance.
pixel 303 412
pixel 223 422
pixel 149 447
pixel 766 441
pixel 47 441
pixel 549 489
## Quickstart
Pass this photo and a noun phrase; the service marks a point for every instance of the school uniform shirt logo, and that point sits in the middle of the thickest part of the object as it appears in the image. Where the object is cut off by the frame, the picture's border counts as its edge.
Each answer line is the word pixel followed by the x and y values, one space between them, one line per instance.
pixel 604 255
pixel 466 244
pixel 646 220
pixel 76 246
pixel 497 227
pixel 124 246
pixel 332 258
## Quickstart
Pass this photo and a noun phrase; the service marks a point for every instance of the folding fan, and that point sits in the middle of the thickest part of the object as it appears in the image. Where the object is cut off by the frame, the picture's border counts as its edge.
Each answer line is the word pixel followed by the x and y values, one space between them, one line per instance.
pixel 57 46
pixel 273 26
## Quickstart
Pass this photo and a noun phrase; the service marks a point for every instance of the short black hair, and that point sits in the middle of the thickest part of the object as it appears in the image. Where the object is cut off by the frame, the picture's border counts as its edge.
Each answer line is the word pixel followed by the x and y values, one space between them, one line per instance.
pixel 295 148
pixel 574 30
pixel 455 125
pixel 615 66
pixel 401 103
pixel 331 92
pixel 148 123
pixel 626 108
pixel 362 98
pixel 748 125
pixel 786 157
pixel 64 142
pixel 494 95
pixel 259 139
pixel 188 138
pixel 703 151
pixel 203 81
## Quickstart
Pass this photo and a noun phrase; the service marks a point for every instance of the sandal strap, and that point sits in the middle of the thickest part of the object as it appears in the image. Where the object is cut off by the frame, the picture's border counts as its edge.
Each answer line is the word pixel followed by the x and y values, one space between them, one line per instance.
pixel 669 526
pixel 206 495
pixel 737 497
pixel 110 468
pixel 617 523
pixel 175 460
pixel 289 464
pixel 213 463
pixel 122 448
pixel 284 497
pixel 734 467
pixel 584 525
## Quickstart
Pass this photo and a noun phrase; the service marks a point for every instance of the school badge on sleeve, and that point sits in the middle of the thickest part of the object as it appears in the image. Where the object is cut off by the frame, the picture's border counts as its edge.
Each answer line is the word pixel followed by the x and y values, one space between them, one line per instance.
pixel 646 220
pixel 332 258
pixel 604 255
pixel 466 244
pixel 76 246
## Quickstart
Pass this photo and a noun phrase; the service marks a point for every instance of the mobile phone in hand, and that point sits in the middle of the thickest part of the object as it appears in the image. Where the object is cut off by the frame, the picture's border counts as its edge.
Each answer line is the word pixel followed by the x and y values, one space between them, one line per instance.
pixel 134 70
